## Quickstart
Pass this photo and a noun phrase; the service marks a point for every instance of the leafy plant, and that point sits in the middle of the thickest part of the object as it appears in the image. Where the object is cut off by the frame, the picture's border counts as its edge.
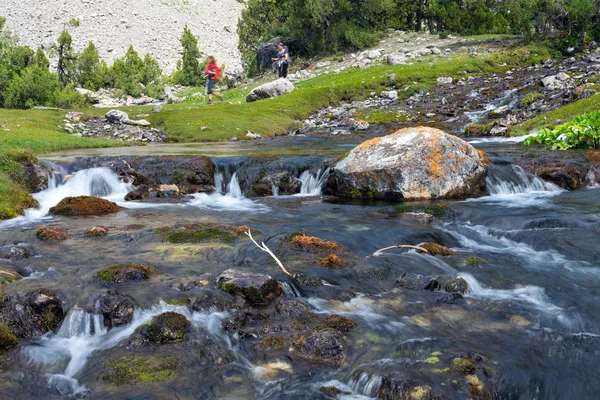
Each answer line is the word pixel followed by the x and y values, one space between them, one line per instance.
pixel 583 132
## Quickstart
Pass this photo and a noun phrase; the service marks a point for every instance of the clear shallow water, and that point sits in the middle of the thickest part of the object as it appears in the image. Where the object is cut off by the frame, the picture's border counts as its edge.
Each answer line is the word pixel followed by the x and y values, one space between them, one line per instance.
pixel 532 309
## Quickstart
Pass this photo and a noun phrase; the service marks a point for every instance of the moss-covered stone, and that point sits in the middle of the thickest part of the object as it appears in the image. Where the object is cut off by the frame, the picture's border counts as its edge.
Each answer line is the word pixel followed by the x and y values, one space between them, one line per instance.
pixel 478 129
pixel 332 391
pixel 339 323
pixel 272 343
pixel 435 249
pixel 84 205
pixel 166 327
pixel 127 272
pixel 7 338
pixel 332 261
pixel 464 366
pixel 201 233
pixel 255 288
pixel 457 285
pixel 475 260
pixel 139 370
pixel 52 234
pixel 311 244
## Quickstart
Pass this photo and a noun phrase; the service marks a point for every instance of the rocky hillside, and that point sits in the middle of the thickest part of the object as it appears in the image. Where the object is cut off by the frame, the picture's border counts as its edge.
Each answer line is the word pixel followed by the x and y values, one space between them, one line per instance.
pixel 152 26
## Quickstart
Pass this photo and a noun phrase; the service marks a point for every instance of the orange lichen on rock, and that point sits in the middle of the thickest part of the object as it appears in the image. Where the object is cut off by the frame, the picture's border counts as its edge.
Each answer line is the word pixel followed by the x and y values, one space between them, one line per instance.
pixel 312 244
pixel 332 261
pixel 369 143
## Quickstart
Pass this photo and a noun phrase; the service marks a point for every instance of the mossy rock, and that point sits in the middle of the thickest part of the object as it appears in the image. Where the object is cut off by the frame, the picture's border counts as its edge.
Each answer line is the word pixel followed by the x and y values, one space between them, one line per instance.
pixel 84 205
pixel 332 261
pixel 201 233
pixel 475 260
pixel 166 327
pixel 339 323
pixel 332 391
pixel 52 234
pixel 139 370
pixel 311 244
pixel 457 285
pixel 478 129
pixel 127 272
pixel 7 338
pixel 464 366
pixel 8 276
pixel 435 249
pixel 255 288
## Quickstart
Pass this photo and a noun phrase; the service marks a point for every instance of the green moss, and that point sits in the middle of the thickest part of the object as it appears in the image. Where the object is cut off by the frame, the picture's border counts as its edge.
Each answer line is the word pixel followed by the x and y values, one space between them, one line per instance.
pixel 178 301
pixel 478 129
pixel 436 353
pixel 123 272
pixel 376 116
pixel 139 370
pixel 440 370
pixel 340 158
pixel 475 260
pixel 464 366
pixel 432 360
pixel 6 337
pixel 197 233
pixel 371 195
pixel 531 98
pixel 229 287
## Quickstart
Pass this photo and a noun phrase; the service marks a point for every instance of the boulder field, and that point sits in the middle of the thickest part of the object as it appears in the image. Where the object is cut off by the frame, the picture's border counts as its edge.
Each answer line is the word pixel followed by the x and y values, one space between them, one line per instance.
pixel 412 164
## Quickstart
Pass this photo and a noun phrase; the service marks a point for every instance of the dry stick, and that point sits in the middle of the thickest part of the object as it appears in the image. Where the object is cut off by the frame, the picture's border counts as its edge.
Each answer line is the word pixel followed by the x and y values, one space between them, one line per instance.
pixel 400 246
pixel 264 248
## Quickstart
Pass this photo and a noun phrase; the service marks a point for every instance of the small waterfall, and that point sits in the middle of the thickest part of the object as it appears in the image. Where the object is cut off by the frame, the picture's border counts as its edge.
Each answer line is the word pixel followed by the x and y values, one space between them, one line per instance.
pixel 366 384
pixel 81 323
pixel 275 190
pixel 312 184
pixel 233 188
pixel 517 181
pixel 290 290
pixel 219 186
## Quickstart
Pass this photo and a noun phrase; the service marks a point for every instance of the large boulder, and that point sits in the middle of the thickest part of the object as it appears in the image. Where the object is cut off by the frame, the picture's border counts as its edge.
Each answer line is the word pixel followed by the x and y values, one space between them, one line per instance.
pixel 33 314
pixel 397 59
pixel 116 116
pixel 84 205
pixel 255 288
pixel 411 164
pixel 276 88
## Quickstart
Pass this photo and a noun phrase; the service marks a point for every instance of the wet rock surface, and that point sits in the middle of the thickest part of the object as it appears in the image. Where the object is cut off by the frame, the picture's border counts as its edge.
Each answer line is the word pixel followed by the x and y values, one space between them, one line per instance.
pixel 166 327
pixel 17 251
pixel 84 205
pixel 127 272
pixel 31 314
pixel 116 309
pixel 412 164
pixel 255 288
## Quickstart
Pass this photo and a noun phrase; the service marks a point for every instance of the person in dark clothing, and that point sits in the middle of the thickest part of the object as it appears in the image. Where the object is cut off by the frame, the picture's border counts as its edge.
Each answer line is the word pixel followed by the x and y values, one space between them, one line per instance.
pixel 283 60
pixel 214 75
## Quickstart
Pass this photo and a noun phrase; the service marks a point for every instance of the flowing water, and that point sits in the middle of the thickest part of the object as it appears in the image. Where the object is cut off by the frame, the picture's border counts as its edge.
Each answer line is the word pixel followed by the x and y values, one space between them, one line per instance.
pixel 528 251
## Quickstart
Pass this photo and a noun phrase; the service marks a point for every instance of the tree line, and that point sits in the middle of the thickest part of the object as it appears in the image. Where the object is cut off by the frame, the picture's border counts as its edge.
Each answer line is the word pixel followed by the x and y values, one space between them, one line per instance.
pixel 317 27
pixel 26 80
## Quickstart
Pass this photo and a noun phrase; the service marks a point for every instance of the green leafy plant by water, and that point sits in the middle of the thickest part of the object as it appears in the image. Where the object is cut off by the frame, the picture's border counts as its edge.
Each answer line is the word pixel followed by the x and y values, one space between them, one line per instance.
pixel 583 132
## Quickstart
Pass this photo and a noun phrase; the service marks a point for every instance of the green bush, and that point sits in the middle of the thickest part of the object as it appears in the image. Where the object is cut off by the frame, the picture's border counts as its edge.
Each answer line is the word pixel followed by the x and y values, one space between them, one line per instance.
pixel 35 86
pixel 189 71
pixel 68 97
pixel 583 132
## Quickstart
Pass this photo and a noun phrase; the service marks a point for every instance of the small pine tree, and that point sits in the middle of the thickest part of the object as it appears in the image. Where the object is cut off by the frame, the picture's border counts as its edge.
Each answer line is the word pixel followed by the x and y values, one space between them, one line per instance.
pixel 40 59
pixel 88 67
pixel 66 67
pixel 152 71
pixel 190 73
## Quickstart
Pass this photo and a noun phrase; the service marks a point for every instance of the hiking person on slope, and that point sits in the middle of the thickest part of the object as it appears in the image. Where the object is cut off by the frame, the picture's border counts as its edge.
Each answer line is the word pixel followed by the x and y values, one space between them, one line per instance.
pixel 213 73
pixel 283 60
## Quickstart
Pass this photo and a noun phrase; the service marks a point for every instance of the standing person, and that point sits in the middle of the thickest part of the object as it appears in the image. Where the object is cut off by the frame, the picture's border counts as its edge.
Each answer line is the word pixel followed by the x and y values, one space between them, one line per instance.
pixel 214 75
pixel 283 60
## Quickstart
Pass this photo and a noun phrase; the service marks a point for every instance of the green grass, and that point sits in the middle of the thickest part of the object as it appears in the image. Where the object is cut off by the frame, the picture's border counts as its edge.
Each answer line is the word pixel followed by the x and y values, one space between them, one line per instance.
pixel 558 116
pixel 193 120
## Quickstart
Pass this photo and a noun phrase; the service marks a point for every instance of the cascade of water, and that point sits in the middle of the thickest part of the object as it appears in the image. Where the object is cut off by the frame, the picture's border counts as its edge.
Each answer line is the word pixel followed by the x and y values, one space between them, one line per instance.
pixel 290 290
pixel 81 323
pixel 275 190
pixel 518 182
pixel 366 384
pixel 312 184
pixel 233 188
pixel 219 182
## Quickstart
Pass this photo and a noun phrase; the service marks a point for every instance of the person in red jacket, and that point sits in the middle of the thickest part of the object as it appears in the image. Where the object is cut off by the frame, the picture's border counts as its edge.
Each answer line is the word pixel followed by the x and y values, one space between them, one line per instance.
pixel 213 73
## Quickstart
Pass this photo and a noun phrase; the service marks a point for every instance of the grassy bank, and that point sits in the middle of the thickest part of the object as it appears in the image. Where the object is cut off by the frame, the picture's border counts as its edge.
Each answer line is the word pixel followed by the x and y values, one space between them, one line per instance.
pixel 558 116
pixel 24 133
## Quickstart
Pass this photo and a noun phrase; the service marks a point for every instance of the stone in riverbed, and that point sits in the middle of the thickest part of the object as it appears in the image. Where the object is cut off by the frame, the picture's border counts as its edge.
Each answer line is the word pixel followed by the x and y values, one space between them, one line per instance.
pixel 52 234
pixel 449 283
pixel 276 88
pixel 84 205
pixel 325 346
pixel 34 314
pixel 18 251
pixel 116 116
pixel 116 308
pixel 255 288
pixel 166 327
pixel 127 272
pixel 411 164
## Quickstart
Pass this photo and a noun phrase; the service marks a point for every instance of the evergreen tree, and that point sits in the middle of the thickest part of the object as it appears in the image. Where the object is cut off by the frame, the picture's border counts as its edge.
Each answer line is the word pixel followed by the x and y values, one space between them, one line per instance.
pixel 66 67
pixel 189 73
pixel 151 71
pixel 89 68
pixel 40 59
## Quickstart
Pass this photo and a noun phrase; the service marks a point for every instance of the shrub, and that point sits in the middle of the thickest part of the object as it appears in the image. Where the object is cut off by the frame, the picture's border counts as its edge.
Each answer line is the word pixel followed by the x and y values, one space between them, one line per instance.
pixel 34 87
pixel 68 97
pixel 583 132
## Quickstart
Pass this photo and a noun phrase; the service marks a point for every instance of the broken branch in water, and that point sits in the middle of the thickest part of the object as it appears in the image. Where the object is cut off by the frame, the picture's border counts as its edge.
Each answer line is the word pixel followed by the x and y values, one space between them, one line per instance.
pixel 264 248
pixel 399 246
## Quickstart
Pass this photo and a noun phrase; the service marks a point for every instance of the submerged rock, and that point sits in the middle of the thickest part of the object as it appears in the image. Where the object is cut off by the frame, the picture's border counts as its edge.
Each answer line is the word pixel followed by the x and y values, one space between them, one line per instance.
pixel 97 231
pixel 84 205
pixel 411 164
pixel 166 327
pixel 127 272
pixel 17 251
pixel 325 346
pixel 33 314
pixel 449 283
pixel 276 88
pixel 116 308
pixel 285 182
pixel 139 370
pixel 52 234
pixel 396 386
pixel 255 288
